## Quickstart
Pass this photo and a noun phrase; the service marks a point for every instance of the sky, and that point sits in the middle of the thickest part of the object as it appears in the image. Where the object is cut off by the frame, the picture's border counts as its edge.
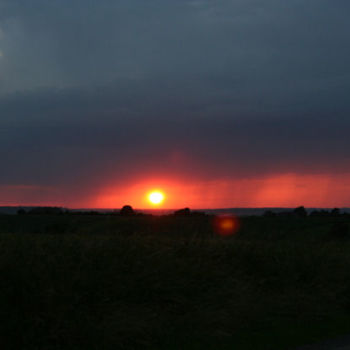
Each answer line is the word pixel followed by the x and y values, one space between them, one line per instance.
pixel 218 103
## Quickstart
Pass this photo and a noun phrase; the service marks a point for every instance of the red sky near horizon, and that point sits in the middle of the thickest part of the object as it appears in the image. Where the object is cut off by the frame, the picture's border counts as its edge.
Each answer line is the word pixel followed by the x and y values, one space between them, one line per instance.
pixel 285 190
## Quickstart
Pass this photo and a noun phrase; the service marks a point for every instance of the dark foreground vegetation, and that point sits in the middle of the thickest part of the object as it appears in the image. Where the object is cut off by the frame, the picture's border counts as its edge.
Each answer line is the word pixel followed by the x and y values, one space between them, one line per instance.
pixel 142 282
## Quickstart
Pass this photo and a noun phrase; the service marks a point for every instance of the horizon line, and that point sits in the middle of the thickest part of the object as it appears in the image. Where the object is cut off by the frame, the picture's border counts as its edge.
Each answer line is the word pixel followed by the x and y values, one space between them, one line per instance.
pixel 117 208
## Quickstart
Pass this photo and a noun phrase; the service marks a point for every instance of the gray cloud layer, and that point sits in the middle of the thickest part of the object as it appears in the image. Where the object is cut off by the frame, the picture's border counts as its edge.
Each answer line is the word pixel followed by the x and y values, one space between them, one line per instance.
pixel 91 90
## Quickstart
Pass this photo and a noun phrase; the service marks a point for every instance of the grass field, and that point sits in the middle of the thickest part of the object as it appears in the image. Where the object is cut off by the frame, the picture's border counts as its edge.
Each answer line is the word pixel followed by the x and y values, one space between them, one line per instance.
pixel 104 282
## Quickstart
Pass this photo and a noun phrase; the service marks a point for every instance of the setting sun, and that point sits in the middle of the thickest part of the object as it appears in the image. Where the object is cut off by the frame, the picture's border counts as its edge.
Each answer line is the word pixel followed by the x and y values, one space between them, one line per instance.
pixel 156 197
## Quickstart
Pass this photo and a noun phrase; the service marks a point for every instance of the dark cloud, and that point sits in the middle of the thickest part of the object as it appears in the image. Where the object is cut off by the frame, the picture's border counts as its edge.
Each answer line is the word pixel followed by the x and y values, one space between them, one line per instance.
pixel 94 91
pixel 82 131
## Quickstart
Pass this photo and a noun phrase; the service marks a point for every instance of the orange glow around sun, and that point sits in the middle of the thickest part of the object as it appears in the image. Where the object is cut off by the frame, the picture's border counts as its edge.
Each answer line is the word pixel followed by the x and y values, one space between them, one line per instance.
pixel 279 190
pixel 156 197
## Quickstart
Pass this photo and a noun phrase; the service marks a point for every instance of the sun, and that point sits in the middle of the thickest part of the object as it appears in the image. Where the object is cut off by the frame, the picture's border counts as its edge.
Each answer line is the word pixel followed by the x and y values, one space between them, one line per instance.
pixel 156 197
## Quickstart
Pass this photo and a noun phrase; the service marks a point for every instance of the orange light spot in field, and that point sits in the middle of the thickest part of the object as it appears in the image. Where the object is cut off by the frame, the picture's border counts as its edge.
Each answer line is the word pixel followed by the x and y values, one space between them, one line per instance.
pixel 226 225
pixel 156 197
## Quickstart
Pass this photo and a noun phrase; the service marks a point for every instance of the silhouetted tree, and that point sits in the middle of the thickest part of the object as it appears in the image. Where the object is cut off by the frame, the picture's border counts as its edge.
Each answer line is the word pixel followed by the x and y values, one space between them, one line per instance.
pixel 21 211
pixel 335 212
pixel 183 212
pixel 127 210
pixel 300 212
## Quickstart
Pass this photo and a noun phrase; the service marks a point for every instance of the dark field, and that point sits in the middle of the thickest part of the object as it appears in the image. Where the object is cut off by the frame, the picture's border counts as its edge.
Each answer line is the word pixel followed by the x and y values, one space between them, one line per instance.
pixel 109 282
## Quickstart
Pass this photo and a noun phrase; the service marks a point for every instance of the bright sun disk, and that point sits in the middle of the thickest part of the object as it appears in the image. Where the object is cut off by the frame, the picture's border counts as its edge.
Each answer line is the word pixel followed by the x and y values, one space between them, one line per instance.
pixel 156 197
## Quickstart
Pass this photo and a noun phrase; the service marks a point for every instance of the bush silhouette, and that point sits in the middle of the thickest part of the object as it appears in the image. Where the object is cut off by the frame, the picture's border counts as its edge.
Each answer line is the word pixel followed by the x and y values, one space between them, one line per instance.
pixel 300 212
pixel 335 212
pixel 127 210
pixel 183 212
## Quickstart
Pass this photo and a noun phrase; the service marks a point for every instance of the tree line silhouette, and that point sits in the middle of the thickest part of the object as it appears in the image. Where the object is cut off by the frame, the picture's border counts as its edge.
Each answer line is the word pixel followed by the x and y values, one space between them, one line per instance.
pixel 128 210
